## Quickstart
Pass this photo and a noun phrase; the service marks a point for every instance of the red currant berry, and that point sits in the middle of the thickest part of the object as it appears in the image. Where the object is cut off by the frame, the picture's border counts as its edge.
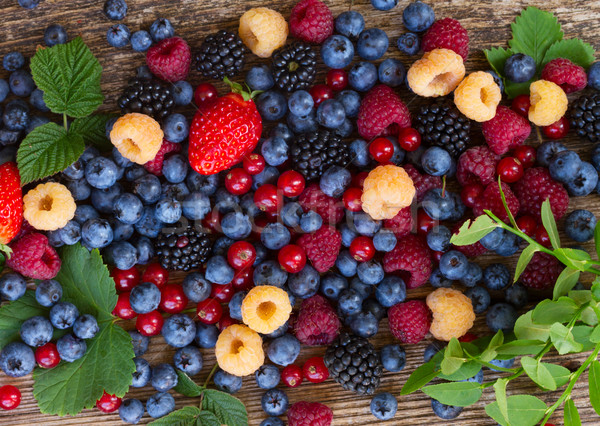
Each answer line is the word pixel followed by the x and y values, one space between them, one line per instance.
pixel 241 254
pixel 125 279
pixel 47 355
pixel 108 403
pixel 352 199
pixel 381 149
pixel 541 236
pixel 526 155
pixel 209 311
pixel 409 139
pixel 238 181
pixel 253 163
pixel 10 397
pixel 225 322
pixel 149 324
pixel 123 309
pixel 222 292
pixel 292 376
pixel 337 79
pixel 212 221
pixel 320 93
pixel 172 299
pixel 528 224
pixel 359 179
pixel 470 193
pixel 156 275
pixel 424 222
pixel 509 169
pixel 521 104
pixel 436 256
pixel 291 183
pixel 268 199
pixel 244 279
pixel 204 93
pixel 558 129
pixel 467 337
pixel 362 248
pixel 314 370
pixel 292 258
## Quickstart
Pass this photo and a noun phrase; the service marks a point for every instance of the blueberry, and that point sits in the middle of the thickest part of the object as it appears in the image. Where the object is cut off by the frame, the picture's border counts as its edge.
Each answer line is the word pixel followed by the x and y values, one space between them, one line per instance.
pixel 206 335
pixel 188 360
pixel 275 151
pixel 345 129
pixel 115 9
pixel 384 5
pixel 300 103
pixel 331 114
pixel 291 213
pixel 17 359
pixel 580 225
pixel 372 44
pixel 13 61
pixel 148 226
pixel 103 200
pixel 332 285
pixel 350 100
pixel 516 295
pixel 363 76
pixel 390 291
pixel 272 421
pixel 501 316
pixel 594 76
pixel 101 172
pixel 147 188
pixel 391 72
pixel 179 330
pixel 270 273
pixel 10 137
pixel 96 233
pixel 164 377
pixel 235 305
pixel 267 376
pixel 259 77
pixel 359 150
pixel 283 350
pixel 519 68
pixel 346 264
pixel 271 105
pixel 175 168
pixel 13 286
pixel 584 182
pixel 503 363
pixel 144 298
pixel 227 382
pixel 348 234
pixel 47 292
pixel 131 410
pixel 118 35
pixel 160 404
pixel 364 290
pixel 176 129
pixel 370 272
pixel 453 265
pixel 438 280
pixel 141 375
pixel 438 206
pixel 564 165
pixel 195 287
pixel 70 348
pixel 274 402
pixel 496 276
pixel 144 249
pixel 365 225
pixel 409 43
pixel 350 302
pixel 438 239
pixel 384 240
pixel 161 29
pixel 436 161
pixel 274 236
pixel 268 175
pixel 183 92
pixel 480 298
pixel 350 24
pixel 141 41
pixel 443 411
pixel 63 315
pixel 363 324
pixel 384 405
pixel 393 357
pixel 29 4
pixel 335 180
pixel 337 51
pixel 310 221
pixel 36 331
pixel 16 115
pixel 547 150
pixel 85 327
pixel 302 124
pixel 473 276
pixel 37 101
pixel 168 210
pixel 305 283
pixel 134 171
pixel 509 244
pixel 55 34
pixel 280 130
pixel 218 270
pixel 418 16
pixel 128 208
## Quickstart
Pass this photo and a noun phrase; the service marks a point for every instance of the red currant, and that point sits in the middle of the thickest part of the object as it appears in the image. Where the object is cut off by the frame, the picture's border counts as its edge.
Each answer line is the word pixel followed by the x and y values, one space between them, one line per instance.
pixel 253 163
pixel 156 275
pixel 125 279
pixel 123 309
pixel 558 129
pixel 267 198
pixel 436 256
pixel 359 179
pixel 204 93
pixel 528 224
pixel 212 221
pixel 244 279
pixel 241 254
pixel 314 370
pixel 526 155
pixel 362 248
pixel 10 397
pixel 352 199
pixel 509 169
pixel 108 403
pixel 470 193
pixel 222 292
pixel 238 181
pixel 47 355
pixel 541 236
pixel 209 311
pixel 381 149
pixel 172 299
pixel 292 376
pixel 320 93
pixel 521 104
pixel 291 183
pixel 467 337
pixel 409 139
pixel 424 222
pixel 225 322
pixel 292 258
pixel 149 324
pixel 337 79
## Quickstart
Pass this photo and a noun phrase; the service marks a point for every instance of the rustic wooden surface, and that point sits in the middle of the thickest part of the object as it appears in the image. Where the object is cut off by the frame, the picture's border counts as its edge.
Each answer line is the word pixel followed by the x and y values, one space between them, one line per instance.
pixel 488 25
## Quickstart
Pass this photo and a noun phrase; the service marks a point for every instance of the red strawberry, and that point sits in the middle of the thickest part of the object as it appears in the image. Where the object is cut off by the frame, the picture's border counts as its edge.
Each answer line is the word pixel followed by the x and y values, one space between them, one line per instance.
pixel 11 203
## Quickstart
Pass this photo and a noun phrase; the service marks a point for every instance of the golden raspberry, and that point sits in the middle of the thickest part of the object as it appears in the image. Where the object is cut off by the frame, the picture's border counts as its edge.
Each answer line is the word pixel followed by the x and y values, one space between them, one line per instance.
pixel 548 103
pixel 49 206
pixel 239 350
pixel 263 30
pixel 452 312
pixel 437 73
pixel 138 137
pixel 266 308
pixel 477 96
pixel 386 191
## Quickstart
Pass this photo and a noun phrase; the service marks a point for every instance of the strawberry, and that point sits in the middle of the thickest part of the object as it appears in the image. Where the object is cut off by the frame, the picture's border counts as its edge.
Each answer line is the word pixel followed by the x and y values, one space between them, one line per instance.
pixel 11 203
pixel 224 131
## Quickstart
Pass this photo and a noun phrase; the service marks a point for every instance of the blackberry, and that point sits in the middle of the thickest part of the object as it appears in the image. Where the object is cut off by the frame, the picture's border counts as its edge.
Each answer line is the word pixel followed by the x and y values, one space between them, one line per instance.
pixel 313 153
pixel 183 250
pixel 353 362
pixel 442 124
pixel 222 54
pixel 148 97
pixel 585 116
pixel 295 67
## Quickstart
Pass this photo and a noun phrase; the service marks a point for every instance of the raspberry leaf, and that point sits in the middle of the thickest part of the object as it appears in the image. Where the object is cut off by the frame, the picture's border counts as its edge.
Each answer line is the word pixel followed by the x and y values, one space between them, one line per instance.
pixel 14 313
pixel 574 49
pixel 228 409
pixel 594 385
pixel 522 410
pixel 93 130
pixel 186 386
pixel 461 394
pixel 186 416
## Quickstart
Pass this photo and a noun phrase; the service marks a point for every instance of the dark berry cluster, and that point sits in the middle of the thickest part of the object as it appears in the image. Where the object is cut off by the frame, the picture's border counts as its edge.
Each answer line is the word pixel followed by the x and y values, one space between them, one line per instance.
pixel 222 54
pixel 148 97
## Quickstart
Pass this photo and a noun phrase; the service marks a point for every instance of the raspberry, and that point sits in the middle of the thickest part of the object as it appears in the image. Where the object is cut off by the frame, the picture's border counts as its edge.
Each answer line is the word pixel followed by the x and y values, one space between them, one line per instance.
pixel 138 137
pixel 477 165
pixel 490 199
pixel 570 77
pixel 412 259
pixel 422 182
pixel 437 73
pixel 170 59
pixel 477 96
pixel 379 109
pixel 49 206
pixel 401 224
pixel 386 191
pixel 266 308
pixel 322 247
pixel 304 413
pixel 239 350
pixel 263 31
pixel 548 103
pixel 409 321
pixel 541 272
pixel 471 250
pixel 506 130
pixel 447 33
pixel 329 208
pixel 311 21
pixel 317 323
pixel 535 187
pixel 155 165
pixel 452 312
pixel 33 257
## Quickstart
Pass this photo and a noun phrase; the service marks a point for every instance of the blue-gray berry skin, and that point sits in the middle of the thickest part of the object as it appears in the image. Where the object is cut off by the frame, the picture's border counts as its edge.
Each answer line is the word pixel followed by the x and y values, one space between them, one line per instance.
pixel 206 335
pixel 164 377
pixel 350 24
pixel 71 348
pixel 131 411
pixel 17 359
pixel 227 382
pixel 86 326
pixel 501 316
pixel 446 412
pixel 337 51
pixel 519 68
pixel 144 298
pixel 267 376
pixel 384 406
pixel 63 315
pixel 418 16
pixel 179 330
pixel 274 402
pixel 139 341
pixel 283 350
pixel 160 404
pixel 12 286
pixel 36 331
pixel 480 298
pixel 393 357
pixel 188 360
pixel 142 373
pixel 580 225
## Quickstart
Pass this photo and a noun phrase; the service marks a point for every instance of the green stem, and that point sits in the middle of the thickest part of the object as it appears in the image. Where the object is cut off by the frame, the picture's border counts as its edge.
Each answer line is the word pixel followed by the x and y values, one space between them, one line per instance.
pixel 518 232
pixel 488 365
pixel 212 372
pixel 65 122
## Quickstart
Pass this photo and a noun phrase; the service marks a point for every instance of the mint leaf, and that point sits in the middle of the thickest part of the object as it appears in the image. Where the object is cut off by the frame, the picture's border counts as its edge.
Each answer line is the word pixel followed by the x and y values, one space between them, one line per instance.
pixel 228 409
pixel 521 347
pixel 524 259
pixel 594 385
pixel 47 150
pixel 186 416
pixel 549 312
pixel 461 394
pixel 473 230
pixel 500 392
pixel 574 49
pixel 534 31
pixel 550 224
pixel 571 414
pixel 14 313
pixel 186 386
pixel 565 282
pixel 538 373
pixel 563 340
pixel 525 329
pixel 523 410
pixel 420 377
pixel 69 75
pixel 93 130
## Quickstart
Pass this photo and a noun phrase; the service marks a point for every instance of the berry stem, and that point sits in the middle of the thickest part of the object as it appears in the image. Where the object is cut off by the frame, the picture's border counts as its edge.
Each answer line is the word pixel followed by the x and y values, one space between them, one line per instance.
pixel 444 186
pixel 65 122
pixel 212 372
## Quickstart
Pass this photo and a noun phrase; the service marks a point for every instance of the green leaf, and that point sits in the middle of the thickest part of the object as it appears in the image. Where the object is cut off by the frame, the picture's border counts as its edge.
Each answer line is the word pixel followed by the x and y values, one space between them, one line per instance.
pixel 594 385
pixel 206 418
pixel 47 150
pixel 521 347
pixel 597 239
pixel 14 313
pixel 561 374
pixel 580 296
pixel 420 377
pixel 500 392
pixel 538 373
pixel 549 312
pixel 461 394
pixel 534 31
pixel 525 329
pixel 574 49
pixel 186 386
pixel 466 371
pixel 69 76
pixel 550 224
pixel 496 57
pixel 595 289
pixel 565 282
pixel 563 339
pixel 93 130
pixel 490 352
pixel 573 258
pixel 186 416
pixel 595 336
pixel 473 230
pixel 571 414
pixel 524 260
pixel 581 334
pixel 523 410
pixel 228 409
pixel 453 357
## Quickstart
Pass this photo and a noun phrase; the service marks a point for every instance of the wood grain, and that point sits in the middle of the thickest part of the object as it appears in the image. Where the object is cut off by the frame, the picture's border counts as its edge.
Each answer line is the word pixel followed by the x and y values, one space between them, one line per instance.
pixel 487 22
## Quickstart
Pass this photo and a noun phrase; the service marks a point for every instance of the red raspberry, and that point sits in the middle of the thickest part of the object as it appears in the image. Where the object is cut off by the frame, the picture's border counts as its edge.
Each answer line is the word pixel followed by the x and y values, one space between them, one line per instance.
pixel 304 413
pixel 506 130
pixel 447 33
pixel 471 250
pixel 422 182
pixel 33 257
pixel 535 187
pixel 409 321
pixel 311 21
pixel 490 199
pixel 541 272
pixel 379 109
pixel 170 59
pixel 155 166
pixel 570 77
pixel 401 224
pixel 412 258
pixel 329 208
pixel 477 165
pixel 322 247
pixel 317 323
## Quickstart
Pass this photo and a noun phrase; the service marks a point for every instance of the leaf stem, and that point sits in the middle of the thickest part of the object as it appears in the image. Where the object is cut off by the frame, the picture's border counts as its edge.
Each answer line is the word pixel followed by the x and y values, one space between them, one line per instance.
pixel 65 122
pixel 212 372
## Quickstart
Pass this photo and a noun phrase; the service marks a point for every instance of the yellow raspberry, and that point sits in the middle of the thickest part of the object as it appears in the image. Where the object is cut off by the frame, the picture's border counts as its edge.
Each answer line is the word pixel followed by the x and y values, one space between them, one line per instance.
pixel 437 73
pixel 386 191
pixel 49 206
pixel 452 312
pixel 239 350
pixel 263 30
pixel 477 96
pixel 138 137
pixel 548 102
pixel 266 308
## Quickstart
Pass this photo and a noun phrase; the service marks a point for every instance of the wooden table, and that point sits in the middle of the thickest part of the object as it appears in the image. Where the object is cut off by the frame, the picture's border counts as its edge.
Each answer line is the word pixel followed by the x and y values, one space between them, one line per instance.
pixel 488 25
